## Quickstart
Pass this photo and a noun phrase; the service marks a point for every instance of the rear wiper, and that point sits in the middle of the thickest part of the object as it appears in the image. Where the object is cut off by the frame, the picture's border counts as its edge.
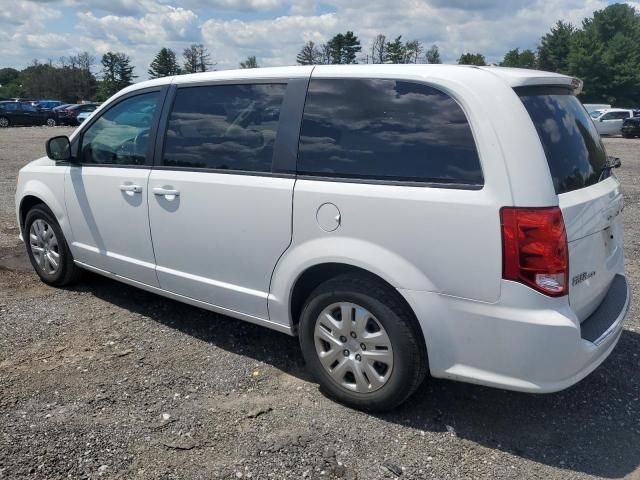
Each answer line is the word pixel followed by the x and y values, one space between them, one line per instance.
pixel 611 162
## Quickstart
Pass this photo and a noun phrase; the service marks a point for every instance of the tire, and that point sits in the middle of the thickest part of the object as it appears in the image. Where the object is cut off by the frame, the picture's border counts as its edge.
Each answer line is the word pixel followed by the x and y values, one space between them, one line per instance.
pixel 403 365
pixel 45 249
pixel 51 122
pixel 4 122
pixel 626 135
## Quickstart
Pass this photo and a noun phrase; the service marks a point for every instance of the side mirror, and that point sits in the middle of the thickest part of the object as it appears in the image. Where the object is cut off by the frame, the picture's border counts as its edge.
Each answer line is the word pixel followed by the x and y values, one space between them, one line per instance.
pixel 600 120
pixel 59 148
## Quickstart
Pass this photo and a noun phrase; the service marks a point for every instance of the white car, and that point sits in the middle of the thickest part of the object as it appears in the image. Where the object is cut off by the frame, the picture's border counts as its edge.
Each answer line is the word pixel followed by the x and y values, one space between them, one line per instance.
pixel 609 121
pixel 397 218
pixel 82 116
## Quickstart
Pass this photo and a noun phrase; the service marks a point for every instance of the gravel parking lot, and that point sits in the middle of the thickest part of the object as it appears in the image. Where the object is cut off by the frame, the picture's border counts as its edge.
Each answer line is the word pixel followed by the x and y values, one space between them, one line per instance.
pixel 106 381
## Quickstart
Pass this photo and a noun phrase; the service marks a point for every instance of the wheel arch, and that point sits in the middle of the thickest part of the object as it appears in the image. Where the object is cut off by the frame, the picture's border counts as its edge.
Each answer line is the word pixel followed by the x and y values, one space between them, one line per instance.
pixel 319 273
pixel 34 192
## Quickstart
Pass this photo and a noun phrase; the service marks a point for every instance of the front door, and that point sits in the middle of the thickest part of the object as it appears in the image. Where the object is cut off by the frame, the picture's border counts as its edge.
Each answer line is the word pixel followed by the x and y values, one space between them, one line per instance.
pixel 106 191
pixel 219 218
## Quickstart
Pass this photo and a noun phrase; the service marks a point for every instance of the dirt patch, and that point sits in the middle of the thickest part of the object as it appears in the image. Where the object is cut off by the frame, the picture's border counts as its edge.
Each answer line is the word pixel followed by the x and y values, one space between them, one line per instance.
pixel 106 381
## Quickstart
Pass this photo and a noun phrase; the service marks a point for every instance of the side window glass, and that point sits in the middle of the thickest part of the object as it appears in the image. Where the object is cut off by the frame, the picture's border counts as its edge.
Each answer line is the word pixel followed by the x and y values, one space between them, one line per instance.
pixel 608 116
pixel 12 107
pixel 27 107
pixel 120 136
pixel 387 130
pixel 227 127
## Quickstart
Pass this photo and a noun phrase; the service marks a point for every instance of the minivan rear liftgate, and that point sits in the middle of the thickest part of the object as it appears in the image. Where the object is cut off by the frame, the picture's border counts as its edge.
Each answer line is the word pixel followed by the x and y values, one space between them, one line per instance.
pixel 591 203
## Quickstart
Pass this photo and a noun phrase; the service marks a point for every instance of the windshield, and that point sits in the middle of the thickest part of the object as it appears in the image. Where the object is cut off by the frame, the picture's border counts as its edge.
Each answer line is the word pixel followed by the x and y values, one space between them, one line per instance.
pixel 596 113
pixel 572 145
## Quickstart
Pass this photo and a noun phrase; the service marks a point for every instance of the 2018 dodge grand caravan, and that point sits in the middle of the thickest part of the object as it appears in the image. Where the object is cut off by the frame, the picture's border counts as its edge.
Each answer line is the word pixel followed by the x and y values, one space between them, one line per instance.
pixel 400 219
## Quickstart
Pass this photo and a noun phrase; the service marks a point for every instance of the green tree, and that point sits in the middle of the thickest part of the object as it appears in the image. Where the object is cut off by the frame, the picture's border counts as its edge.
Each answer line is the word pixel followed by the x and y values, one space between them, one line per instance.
pixel 10 85
pixel 309 54
pixel 396 51
pixel 196 59
pixel 472 59
pixel 117 73
pixel 605 54
pixel 553 51
pixel 8 75
pixel 432 55
pixel 343 48
pixel 164 64
pixel 250 62
pixel 516 58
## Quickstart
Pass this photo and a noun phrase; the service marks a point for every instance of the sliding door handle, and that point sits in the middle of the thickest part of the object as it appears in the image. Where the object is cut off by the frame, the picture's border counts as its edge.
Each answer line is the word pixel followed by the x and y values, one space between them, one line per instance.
pixel 131 188
pixel 165 191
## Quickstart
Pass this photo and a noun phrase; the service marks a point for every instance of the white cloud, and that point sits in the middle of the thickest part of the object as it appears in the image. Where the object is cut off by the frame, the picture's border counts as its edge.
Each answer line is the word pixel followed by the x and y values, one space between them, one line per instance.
pixel 273 30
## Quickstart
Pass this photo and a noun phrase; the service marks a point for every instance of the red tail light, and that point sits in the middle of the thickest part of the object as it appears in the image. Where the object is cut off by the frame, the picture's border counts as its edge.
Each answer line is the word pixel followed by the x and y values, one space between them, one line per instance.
pixel 534 249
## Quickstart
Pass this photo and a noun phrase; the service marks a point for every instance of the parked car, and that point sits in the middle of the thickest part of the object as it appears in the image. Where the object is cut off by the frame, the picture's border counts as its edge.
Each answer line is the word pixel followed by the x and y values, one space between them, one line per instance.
pixel 23 113
pixel 591 107
pixel 69 114
pixel 398 219
pixel 609 122
pixel 46 105
pixel 82 116
pixel 631 127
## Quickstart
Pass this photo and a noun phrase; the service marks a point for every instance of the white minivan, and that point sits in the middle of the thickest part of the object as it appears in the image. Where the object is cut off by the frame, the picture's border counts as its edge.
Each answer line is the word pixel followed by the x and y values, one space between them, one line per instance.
pixel 400 219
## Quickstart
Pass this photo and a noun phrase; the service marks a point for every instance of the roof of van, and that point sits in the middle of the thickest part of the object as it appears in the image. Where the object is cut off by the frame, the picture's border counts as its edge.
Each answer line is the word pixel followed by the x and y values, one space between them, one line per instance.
pixel 515 77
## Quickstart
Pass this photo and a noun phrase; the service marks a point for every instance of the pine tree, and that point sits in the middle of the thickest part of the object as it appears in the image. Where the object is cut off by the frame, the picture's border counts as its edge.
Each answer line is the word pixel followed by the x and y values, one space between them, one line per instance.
pixel 117 73
pixel 343 48
pixel 553 51
pixel 164 64
pixel 395 51
pixel 250 62
pixel 472 59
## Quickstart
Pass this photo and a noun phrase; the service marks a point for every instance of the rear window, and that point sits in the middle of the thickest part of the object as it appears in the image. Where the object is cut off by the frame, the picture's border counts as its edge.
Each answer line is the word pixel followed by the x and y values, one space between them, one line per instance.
pixel 574 151
pixel 382 129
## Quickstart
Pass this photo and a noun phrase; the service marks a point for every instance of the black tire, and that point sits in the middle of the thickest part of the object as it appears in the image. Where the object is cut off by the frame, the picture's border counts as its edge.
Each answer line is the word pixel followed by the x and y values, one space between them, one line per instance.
pixel 4 122
pixel 68 272
pixel 410 362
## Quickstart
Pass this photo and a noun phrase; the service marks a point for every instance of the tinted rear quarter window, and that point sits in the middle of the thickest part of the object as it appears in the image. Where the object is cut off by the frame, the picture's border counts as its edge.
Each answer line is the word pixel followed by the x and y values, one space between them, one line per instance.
pixel 228 127
pixel 386 130
pixel 571 143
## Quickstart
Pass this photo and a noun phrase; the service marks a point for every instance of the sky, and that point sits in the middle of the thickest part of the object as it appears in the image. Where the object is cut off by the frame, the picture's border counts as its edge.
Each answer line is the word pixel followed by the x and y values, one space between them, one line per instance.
pixel 272 30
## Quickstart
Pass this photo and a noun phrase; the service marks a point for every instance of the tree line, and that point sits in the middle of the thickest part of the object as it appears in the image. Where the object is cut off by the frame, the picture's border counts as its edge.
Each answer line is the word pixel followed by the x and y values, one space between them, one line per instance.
pixel 604 51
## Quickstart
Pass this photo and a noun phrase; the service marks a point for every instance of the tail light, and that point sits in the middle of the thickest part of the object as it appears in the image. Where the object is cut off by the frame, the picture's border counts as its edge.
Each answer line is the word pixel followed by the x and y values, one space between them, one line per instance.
pixel 534 249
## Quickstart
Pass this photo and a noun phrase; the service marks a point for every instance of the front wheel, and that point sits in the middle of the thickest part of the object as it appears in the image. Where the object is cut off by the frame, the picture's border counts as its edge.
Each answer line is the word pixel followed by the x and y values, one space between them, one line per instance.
pixel 47 248
pixel 4 122
pixel 51 122
pixel 362 343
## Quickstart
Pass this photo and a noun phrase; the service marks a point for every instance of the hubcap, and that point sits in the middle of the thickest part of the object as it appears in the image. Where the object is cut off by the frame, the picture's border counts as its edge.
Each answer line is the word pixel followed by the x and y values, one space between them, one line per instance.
pixel 51 122
pixel 353 347
pixel 4 122
pixel 44 246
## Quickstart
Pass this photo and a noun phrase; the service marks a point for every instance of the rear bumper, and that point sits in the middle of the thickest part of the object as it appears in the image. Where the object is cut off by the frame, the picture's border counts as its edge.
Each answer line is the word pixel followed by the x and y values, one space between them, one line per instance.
pixel 531 343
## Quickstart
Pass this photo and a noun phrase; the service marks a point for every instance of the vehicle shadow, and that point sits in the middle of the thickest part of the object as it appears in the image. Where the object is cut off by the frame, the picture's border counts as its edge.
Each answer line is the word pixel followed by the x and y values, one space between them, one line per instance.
pixel 593 427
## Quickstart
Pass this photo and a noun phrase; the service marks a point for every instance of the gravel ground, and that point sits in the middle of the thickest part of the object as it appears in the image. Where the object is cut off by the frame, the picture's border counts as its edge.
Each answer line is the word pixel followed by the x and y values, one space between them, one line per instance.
pixel 106 381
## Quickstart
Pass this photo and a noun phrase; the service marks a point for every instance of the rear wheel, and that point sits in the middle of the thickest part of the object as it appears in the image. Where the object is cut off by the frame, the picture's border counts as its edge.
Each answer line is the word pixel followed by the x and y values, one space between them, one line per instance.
pixel 362 343
pixel 4 122
pixel 47 248
pixel 51 122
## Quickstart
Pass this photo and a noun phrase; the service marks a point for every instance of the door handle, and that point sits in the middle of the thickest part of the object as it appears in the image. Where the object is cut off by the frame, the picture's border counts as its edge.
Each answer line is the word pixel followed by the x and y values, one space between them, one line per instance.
pixel 131 188
pixel 165 191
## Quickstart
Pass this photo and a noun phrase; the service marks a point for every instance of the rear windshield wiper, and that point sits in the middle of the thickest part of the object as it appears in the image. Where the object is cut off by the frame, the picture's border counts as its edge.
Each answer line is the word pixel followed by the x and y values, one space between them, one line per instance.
pixel 611 162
